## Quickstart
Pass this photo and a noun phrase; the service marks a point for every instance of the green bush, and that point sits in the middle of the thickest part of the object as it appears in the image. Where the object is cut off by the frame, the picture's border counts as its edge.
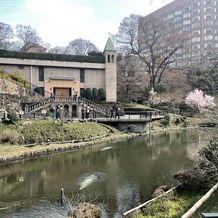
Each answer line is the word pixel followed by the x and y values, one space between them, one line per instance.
pixel 160 88
pixel 53 57
pixel 39 90
pixel 88 93
pixel 173 120
pixel 95 94
pixel 101 94
pixel 12 115
pixel 184 108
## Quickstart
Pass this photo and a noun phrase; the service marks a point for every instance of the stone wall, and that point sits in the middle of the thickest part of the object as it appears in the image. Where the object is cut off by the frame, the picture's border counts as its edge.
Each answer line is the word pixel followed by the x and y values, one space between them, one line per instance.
pixel 8 87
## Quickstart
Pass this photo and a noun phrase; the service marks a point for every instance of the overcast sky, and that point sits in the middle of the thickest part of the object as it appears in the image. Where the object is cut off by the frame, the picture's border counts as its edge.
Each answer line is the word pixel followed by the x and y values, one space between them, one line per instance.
pixel 60 21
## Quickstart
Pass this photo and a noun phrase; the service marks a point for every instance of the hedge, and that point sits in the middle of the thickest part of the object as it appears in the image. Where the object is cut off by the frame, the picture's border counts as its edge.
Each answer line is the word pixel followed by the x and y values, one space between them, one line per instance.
pixel 52 57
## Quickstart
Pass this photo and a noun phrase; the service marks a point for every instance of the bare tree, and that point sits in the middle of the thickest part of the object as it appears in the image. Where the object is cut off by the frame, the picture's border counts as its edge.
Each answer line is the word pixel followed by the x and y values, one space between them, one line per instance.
pixel 155 42
pixel 130 78
pixel 6 34
pixel 81 47
pixel 28 37
pixel 58 50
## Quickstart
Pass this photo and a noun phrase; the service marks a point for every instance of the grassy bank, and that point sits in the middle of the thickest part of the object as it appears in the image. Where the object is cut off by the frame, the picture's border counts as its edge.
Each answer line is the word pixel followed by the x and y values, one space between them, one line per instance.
pixel 29 139
pixel 40 131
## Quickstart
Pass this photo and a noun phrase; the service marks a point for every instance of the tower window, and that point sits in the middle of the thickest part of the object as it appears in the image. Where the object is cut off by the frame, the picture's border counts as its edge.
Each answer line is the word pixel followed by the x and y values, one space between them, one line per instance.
pixel 112 58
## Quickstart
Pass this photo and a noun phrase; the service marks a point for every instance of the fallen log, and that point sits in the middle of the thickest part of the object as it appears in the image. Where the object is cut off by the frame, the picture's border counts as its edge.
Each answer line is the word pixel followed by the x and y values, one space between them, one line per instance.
pixel 148 202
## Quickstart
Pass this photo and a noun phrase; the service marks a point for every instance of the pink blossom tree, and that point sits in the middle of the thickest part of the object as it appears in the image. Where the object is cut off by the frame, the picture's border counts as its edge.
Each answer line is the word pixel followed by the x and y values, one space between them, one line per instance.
pixel 197 100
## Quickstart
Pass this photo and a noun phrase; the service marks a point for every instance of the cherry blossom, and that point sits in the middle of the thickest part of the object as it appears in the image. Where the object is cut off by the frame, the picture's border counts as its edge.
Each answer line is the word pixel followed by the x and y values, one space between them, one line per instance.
pixel 199 101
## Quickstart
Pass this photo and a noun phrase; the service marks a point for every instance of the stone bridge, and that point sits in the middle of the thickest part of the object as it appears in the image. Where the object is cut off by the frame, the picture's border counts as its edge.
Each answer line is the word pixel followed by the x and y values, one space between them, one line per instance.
pixel 134 122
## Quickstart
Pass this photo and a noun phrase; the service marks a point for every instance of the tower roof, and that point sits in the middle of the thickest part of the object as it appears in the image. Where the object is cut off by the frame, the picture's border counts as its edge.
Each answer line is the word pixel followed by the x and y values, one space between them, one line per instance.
pixel 109 46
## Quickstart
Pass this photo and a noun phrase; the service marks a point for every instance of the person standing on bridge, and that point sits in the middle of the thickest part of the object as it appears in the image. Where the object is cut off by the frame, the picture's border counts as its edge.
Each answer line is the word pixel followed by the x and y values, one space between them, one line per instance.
pixel 87 112
pixel 83 112
pixel 112 111
pixel 117 112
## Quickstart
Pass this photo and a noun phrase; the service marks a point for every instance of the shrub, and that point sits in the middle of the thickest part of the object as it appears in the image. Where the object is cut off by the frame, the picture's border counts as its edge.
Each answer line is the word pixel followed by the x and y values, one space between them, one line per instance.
pixel 52 57
pixel 185 108
pixel 12 115
pixel 94 94
pixel 10 136
pixel 101 94
pixel 160 88
pixel 88 93
pixel 39 90
pixel 173 120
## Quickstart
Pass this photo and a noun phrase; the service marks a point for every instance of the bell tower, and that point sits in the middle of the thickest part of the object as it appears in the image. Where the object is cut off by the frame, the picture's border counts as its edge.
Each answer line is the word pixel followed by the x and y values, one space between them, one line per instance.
pixel 110 71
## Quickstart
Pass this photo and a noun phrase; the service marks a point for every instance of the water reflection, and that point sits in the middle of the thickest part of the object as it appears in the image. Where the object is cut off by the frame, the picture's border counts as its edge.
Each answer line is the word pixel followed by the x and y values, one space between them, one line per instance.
pixel 119 175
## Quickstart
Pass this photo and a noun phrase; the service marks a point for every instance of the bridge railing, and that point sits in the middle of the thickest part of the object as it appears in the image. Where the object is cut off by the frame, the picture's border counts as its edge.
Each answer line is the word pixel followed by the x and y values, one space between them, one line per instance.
pixel 81 100
pixel 53 99
pixel 37 105
pixel 142 114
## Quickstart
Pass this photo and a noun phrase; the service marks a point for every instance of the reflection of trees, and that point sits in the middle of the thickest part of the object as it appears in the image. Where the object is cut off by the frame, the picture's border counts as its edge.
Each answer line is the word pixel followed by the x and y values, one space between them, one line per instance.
pixel 126 195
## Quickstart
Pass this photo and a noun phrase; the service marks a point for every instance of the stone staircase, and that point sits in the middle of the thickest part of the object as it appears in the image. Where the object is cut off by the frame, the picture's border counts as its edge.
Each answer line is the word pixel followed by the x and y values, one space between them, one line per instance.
pixel 46 102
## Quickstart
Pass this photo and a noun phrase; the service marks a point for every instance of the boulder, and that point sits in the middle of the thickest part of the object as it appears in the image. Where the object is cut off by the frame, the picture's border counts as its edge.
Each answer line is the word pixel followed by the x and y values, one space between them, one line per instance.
pixel 85 210
pixel 160 190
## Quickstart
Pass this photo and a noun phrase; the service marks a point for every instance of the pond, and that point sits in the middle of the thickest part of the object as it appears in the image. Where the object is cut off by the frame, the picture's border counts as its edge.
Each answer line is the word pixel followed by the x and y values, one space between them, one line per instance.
pixel 118 176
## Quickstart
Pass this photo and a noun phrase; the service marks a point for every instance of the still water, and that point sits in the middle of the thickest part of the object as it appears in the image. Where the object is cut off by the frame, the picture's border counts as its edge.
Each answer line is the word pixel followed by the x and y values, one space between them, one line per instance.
pixel 118 176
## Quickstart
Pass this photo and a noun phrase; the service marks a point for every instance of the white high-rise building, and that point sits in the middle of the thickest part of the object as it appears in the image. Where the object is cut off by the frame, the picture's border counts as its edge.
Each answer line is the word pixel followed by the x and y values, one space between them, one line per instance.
pixel 197 17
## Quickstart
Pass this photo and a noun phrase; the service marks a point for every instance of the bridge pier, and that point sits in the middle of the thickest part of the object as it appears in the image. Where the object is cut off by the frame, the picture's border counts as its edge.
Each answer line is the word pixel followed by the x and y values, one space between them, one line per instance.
pixel 133 126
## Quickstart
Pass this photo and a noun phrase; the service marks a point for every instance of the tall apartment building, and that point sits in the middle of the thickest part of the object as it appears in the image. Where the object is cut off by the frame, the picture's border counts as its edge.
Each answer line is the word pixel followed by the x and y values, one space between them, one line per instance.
pixel 197 17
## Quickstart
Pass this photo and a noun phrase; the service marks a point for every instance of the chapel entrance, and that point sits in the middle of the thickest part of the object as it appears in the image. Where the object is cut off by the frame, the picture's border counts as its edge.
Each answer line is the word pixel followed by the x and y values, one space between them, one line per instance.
pixel 62 92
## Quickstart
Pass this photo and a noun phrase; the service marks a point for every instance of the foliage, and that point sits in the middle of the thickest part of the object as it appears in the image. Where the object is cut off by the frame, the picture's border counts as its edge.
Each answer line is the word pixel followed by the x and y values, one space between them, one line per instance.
pixel 209 162
pixel 88 93
pixel 204 173
pixel 95 53
pixel 171 206
pixel 101 94
pixel 205 80
pixel 173 120
pixel 52 57
pixel 39 90
pixel 10 136
pixel 199 101
pixel 160 88
pixel 185 108
pixel 12 115
pixel 15 78
pixel 94 94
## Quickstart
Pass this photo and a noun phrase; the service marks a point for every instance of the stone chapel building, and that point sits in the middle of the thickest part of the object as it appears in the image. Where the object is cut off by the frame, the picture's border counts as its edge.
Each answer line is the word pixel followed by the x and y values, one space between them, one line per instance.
pixel 65 75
